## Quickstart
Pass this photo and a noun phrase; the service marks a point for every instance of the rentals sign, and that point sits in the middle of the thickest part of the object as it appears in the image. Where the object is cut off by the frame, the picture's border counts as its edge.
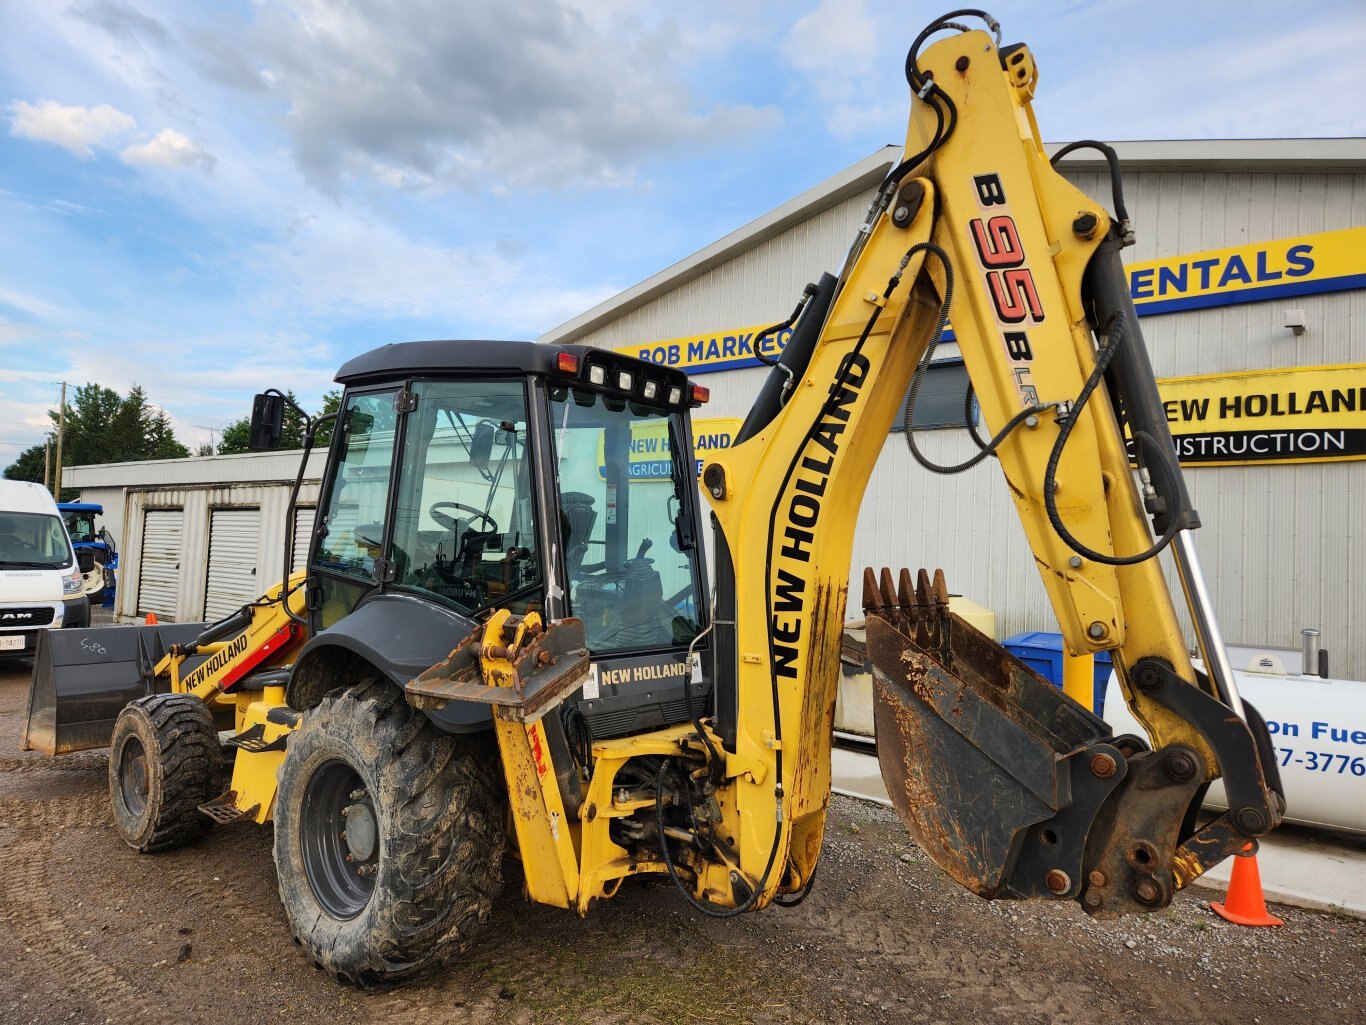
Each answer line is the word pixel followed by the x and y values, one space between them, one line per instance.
pixel 1328 261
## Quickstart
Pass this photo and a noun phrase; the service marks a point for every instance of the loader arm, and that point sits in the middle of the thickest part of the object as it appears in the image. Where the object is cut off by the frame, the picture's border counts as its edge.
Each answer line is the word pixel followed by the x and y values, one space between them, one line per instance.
pixel 82 679
pixel 1014 789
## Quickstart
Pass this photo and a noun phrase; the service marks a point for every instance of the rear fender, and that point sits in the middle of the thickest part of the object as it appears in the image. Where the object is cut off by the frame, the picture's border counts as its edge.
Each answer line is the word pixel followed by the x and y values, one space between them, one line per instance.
pixel 393 636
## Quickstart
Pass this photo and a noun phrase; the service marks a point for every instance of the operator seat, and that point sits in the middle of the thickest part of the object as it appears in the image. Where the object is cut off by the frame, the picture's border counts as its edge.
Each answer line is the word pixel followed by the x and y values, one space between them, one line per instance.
pixel 577 517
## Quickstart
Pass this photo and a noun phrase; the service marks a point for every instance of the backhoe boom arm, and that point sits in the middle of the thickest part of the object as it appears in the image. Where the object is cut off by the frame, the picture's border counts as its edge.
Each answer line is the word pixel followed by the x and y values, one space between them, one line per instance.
pixel 976 220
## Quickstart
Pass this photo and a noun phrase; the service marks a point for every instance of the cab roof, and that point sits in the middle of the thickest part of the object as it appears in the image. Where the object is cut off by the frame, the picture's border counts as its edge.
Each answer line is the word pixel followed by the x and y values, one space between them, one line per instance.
pixel 400 360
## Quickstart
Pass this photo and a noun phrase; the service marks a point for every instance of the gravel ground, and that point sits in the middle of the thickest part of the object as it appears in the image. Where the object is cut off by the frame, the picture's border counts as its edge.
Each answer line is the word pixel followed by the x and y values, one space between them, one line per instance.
pixel 91 932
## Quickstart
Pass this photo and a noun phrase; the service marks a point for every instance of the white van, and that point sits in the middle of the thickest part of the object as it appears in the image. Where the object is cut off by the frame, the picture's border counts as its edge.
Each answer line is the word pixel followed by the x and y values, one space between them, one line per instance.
pixel 40 578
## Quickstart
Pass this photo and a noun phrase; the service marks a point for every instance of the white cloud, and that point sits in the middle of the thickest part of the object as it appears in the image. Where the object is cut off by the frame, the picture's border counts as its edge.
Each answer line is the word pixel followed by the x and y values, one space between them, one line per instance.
pixel 75 129
pixel 338 263
pixel 482 92
pixel 836 49
pixel 30 304
pixel 169 149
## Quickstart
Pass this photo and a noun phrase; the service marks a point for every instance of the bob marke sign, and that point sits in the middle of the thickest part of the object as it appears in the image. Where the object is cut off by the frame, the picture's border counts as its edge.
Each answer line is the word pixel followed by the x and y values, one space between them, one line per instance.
pixel 1308 414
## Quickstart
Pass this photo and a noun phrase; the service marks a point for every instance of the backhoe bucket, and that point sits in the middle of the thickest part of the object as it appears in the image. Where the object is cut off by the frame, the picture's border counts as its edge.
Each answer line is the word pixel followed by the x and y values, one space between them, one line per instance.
pixel 996 773
pixel 83 678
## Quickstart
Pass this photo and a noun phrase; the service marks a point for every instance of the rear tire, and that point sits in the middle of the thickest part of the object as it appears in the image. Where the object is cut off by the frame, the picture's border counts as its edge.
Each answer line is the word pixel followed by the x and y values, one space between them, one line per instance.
pixel 388 837
pixel 164 762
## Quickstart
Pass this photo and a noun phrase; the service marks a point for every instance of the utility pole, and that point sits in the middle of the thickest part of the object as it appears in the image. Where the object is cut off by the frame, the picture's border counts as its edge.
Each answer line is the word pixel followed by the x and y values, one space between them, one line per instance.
pixel 213 436
pixel 47 464
pixel 61 428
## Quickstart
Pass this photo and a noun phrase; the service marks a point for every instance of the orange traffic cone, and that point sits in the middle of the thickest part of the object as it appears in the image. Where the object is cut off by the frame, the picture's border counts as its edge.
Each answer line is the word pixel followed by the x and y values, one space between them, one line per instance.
pixel 151 619
pixel 1244 903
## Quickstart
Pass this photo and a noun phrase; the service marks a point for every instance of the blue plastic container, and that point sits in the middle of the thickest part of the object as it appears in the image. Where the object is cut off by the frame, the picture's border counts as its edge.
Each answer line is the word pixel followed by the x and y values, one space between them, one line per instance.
pixel 1042 652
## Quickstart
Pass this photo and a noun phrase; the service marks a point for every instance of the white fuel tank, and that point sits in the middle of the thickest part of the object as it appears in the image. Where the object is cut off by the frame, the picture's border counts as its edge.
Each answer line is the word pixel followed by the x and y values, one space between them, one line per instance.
pixel 1318 727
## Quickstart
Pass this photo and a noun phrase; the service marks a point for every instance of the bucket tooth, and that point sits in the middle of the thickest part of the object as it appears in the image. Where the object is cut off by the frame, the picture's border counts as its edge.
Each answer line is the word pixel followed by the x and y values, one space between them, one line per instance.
pixel 872 597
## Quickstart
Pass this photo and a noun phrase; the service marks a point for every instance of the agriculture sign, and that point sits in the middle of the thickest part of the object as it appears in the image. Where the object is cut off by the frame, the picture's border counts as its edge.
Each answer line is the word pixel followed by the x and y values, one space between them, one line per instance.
pixel 650 458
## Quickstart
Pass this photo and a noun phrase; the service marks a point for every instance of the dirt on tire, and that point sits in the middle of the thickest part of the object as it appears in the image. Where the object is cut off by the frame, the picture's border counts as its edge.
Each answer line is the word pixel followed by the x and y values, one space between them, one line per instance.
pixel 93 932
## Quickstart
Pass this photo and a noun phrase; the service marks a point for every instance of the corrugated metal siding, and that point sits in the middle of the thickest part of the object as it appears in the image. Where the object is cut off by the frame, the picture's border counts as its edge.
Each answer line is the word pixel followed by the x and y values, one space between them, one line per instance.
pixel 159 579
pixel 234 542
pixel 1282 546
pixel 198 504
pixel 303 530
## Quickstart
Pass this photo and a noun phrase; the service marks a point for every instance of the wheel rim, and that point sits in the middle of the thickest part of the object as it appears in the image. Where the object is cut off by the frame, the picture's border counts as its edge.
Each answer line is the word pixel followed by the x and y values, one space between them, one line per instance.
pixel 339 839
pixel 134 779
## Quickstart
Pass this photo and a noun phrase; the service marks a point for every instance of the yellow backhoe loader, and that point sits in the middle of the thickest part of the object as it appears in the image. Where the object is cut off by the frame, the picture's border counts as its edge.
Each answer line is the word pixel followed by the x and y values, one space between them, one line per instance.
pixel 504 630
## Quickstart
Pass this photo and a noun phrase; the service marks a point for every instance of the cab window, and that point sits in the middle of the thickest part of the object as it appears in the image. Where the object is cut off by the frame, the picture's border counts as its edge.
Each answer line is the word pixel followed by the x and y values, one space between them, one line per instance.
pixel 464 516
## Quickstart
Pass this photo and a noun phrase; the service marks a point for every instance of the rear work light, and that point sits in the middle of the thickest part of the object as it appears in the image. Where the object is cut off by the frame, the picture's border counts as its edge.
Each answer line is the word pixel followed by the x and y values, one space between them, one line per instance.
pixel 675 395
pixel 650 390
pixel 624 380
pixel 700 394
pixel 567 363
pixel 597 375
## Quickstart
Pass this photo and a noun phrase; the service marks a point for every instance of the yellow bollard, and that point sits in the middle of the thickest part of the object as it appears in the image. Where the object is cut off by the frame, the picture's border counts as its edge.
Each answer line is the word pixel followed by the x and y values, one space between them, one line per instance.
pixel 1079 679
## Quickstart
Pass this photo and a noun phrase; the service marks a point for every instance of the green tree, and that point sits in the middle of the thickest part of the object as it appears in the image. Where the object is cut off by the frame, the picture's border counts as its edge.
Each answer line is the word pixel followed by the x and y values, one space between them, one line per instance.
pixel 30 464
pixel 331 403
pixel 236 435
pixel 160 441
pixel 102 426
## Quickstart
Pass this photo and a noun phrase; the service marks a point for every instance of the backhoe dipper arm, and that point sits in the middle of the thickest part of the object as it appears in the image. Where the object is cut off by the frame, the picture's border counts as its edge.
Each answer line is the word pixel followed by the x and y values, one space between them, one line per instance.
pixel 1015 790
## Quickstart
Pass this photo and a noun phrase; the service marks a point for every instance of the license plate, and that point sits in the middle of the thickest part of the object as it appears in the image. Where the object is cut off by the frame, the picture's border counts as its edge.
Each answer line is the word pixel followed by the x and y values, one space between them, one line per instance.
pixel 13 643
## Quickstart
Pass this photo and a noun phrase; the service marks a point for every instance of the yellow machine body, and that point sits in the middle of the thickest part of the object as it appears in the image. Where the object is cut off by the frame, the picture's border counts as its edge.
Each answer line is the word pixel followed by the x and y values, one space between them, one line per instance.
pixel 1019 238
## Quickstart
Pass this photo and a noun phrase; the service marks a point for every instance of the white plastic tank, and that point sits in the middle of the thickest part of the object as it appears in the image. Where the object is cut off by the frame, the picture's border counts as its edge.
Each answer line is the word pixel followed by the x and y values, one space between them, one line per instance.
pixel 1318 727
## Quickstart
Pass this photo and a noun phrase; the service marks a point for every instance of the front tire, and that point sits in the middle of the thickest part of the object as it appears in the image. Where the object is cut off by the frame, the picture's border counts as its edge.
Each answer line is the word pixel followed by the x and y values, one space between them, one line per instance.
pixel 164 762
pixel 388 837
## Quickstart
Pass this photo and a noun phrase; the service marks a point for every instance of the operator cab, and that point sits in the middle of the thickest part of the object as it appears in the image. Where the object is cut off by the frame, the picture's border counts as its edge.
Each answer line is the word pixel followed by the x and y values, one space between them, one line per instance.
pixel 473 476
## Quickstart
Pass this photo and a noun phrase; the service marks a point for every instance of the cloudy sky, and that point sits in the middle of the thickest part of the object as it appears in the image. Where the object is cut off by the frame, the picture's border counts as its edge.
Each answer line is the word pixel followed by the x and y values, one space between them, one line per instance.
pixel 214 198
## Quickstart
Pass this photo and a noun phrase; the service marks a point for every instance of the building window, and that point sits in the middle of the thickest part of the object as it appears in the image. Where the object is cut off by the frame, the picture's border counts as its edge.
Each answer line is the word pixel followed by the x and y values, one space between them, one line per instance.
pixel 941 398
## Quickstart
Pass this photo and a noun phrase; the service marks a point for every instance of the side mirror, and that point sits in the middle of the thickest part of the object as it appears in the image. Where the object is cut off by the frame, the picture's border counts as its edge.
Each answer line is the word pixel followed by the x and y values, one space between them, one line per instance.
pixel 85 559
pixel 481 447
pixel 267 423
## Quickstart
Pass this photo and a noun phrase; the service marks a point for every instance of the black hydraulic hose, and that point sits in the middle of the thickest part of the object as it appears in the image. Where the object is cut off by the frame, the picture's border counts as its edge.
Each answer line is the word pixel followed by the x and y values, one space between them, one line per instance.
pixel 1115 337
pixel 968 422
pixel 801 895
pixel 707 908
pixel 1126 229
pixel 772 361
pixel 922 368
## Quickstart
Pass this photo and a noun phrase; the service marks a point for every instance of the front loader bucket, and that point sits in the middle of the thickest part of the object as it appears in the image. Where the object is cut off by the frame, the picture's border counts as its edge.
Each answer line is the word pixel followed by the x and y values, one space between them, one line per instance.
pixel 997 774
pixel 83 678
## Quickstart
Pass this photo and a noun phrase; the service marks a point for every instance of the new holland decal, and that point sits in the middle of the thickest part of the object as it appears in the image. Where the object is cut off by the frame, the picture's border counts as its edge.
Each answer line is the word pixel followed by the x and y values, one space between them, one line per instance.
pixel 803 497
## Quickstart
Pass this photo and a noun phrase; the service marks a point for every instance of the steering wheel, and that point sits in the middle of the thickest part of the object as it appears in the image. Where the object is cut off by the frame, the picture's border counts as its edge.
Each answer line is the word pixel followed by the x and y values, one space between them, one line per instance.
pixel 449 521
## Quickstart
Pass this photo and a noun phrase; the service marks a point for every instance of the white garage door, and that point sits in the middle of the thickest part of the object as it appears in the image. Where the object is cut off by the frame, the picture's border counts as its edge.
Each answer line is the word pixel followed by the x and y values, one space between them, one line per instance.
pixel 234 539
pixel 159 579
pixel 303 530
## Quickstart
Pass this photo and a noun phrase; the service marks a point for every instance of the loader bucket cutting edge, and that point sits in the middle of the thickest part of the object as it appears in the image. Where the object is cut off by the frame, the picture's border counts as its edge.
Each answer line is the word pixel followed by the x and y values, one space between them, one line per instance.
pixel 83 678
pixel 986 763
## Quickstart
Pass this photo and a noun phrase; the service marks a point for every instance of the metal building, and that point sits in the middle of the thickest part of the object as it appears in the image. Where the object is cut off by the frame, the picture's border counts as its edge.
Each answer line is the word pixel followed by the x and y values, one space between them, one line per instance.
pixel 1250 275
pixel 199 537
